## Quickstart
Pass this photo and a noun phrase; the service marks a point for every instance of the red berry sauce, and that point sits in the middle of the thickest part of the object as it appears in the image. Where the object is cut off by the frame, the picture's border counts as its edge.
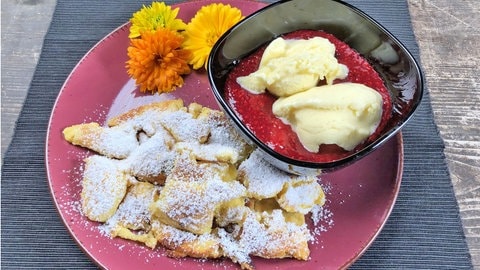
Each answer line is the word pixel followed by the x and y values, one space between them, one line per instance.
pixel 255 110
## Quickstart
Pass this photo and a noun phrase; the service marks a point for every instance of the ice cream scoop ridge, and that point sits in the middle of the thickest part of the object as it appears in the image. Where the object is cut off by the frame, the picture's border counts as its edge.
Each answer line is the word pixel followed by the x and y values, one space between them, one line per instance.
pixel 295 65
pixel 344 114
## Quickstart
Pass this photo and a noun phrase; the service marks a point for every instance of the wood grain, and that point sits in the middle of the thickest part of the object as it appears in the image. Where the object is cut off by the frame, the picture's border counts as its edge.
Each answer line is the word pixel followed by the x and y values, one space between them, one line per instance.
pixel 448 37
pixel 24 24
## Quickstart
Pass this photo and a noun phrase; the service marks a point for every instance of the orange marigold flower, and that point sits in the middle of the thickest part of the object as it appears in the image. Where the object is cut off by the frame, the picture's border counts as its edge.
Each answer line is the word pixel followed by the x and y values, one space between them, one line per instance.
pixel 205 28
pixel 157 62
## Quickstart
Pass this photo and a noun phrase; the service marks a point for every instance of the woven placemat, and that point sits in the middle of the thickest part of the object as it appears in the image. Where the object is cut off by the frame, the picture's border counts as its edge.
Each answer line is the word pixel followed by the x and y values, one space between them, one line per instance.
pixel 423 232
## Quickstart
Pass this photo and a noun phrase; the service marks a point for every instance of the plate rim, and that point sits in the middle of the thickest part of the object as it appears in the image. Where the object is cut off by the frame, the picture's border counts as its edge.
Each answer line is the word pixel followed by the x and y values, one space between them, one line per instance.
pixel 124 27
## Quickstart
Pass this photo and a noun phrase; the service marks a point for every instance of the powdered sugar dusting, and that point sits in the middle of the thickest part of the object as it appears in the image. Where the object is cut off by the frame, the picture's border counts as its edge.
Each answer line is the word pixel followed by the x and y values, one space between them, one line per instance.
pixel 202 201
pixel 111 138
pixel 184 127
pixel 152 157
pixel 261 178
pixel 323 220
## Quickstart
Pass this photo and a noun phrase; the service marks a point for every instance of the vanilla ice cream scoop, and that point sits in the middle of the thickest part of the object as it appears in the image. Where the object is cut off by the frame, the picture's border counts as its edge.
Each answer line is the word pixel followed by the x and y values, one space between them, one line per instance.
pixel 294 65
pixel 344 114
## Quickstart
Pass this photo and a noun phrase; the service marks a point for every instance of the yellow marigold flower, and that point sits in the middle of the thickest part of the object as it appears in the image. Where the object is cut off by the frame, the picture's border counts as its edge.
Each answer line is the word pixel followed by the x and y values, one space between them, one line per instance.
pixel 157 61
pixel 205 28
pixel 156 16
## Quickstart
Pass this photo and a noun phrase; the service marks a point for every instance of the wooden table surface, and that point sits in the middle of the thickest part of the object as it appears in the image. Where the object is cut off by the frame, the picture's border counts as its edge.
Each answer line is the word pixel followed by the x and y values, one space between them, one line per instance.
pixel 447 34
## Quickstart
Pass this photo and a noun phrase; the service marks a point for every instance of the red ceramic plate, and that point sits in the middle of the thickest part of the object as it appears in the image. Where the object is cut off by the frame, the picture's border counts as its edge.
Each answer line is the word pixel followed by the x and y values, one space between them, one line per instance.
pixel 360 197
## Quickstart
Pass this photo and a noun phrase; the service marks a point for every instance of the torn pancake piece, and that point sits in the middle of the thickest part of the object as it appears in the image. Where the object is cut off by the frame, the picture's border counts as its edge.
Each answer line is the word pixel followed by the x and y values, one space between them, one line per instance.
pixel 117 142
pixel 132 219
pixel 153 159
pixel 104 186
pixel 261 178
pixel 223 133
pixel 147 117
pixel 184 127
pixel 301 195
pixel 181 243
pixel 267 235
pixel 191 206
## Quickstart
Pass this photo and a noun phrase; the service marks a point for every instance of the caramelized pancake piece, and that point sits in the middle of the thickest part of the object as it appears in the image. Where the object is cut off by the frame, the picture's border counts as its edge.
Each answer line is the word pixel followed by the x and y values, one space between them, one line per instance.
pixel 210 152
pixel 293 193
pixel 261 179
pixel 223 144
pixel 132 219
pixel 104 186
pixel 300 195
pixel 117 142
pixel 123 134
pixel 273 237
pixel 266 235
pixel 148 238
pixel 183 127
pixel 195 109
pixel 268 205
pixel 233 250
pixel 231 213
pixel 223 133
pixel 191 206
pixel 153 159
pixel 187 168
pixel 182 243
pixel 156 108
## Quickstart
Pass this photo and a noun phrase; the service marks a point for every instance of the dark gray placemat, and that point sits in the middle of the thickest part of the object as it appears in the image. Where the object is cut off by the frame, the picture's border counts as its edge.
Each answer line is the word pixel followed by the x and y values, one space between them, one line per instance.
pixel 423 232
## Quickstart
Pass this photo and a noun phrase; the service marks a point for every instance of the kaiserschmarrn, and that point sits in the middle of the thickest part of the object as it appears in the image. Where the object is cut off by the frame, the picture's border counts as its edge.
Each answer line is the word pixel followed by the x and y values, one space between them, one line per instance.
pixel 181 177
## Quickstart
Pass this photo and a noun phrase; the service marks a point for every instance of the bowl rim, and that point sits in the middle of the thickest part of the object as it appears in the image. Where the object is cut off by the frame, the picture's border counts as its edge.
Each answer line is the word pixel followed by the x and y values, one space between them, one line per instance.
pixel 338 163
